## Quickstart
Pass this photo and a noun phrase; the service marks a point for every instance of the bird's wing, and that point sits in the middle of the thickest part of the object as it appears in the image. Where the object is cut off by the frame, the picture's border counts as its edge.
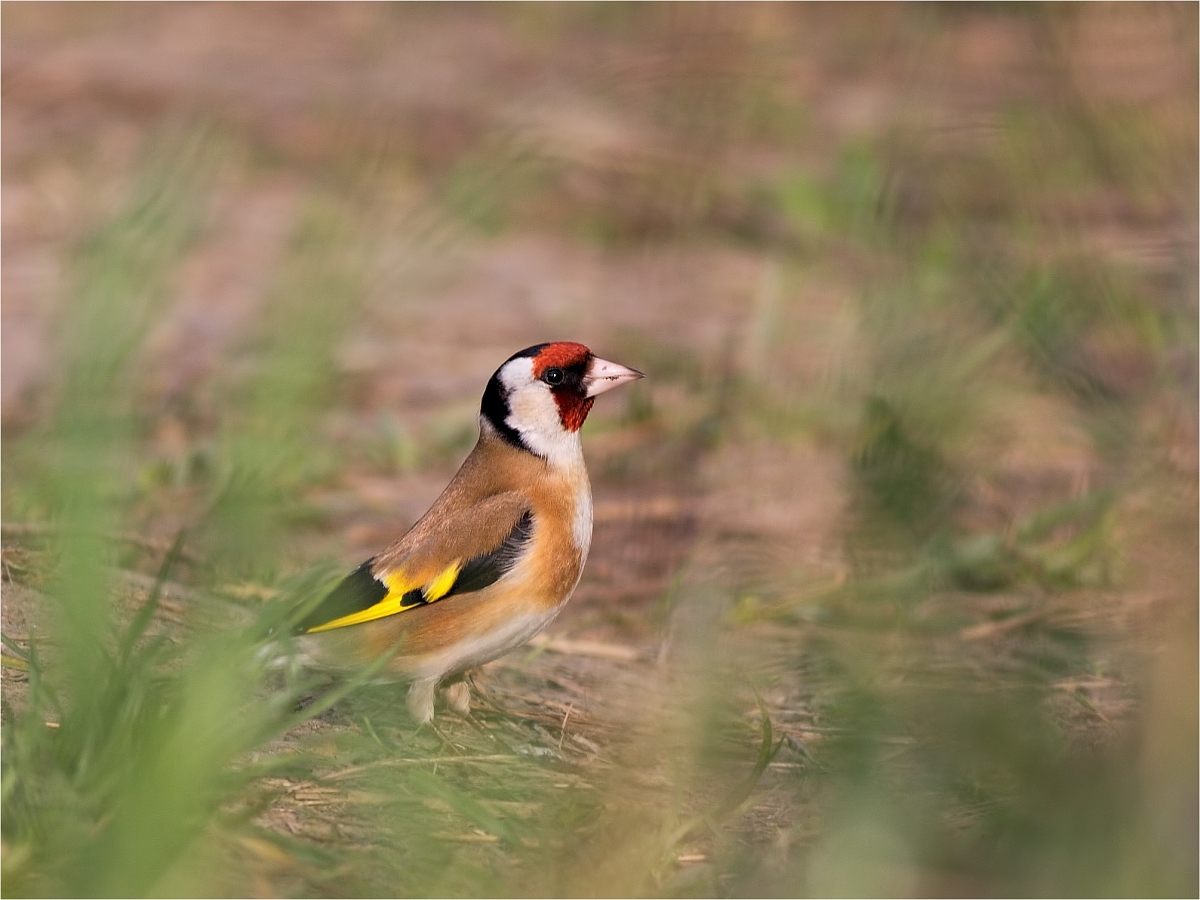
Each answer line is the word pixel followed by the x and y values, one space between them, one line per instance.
pixel 444 555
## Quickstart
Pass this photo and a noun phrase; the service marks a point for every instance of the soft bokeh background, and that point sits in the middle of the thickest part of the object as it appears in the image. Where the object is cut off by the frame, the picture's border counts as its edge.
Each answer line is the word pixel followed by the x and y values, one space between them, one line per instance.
pixel 894 581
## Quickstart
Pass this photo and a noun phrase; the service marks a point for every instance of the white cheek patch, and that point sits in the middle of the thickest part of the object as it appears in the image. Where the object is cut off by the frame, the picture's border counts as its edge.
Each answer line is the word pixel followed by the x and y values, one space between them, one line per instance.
pixel 533 414
pixel 516 373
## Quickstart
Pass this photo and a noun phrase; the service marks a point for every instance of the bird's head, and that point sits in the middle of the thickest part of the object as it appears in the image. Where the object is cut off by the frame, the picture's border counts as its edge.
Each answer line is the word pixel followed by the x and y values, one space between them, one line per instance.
pixel 539 398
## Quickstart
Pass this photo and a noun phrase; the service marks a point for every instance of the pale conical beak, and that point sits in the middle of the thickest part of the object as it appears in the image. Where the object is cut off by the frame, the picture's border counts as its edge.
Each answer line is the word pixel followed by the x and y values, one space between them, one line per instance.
pixel 603 375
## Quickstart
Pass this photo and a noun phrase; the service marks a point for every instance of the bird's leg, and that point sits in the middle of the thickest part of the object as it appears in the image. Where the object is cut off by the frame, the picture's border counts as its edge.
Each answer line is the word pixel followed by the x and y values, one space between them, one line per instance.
pixel 458 697
pixel 420 706
pixel 420 700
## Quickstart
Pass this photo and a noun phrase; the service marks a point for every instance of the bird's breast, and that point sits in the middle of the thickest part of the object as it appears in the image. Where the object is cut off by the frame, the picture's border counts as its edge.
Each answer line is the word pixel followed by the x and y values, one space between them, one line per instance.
pixel 562 515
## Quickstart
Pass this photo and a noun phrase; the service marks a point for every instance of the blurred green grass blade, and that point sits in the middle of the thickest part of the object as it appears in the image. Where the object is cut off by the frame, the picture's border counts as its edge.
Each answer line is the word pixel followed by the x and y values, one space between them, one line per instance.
pixel 145 614
pixel 11 645
pixel 1087 507
pixel 332 698
pixel 737 796
pixel 463 804
pixel 266 451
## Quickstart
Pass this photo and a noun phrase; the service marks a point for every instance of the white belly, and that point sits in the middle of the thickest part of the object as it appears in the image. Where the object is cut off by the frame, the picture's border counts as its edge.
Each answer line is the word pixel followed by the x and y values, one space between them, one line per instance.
pixel 479 649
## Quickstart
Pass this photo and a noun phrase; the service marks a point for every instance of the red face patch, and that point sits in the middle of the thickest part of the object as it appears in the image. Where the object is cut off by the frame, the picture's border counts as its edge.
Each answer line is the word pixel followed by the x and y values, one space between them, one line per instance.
pixel 563 354
pixel 572 409
pixel 572 358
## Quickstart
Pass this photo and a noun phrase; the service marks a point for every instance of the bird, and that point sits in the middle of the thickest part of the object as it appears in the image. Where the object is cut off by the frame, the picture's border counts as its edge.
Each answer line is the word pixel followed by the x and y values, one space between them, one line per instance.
pixel 497 555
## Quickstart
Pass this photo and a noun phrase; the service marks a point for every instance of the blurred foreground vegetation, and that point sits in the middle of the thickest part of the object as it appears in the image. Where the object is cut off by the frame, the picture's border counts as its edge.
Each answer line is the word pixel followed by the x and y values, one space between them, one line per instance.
pixel 971 324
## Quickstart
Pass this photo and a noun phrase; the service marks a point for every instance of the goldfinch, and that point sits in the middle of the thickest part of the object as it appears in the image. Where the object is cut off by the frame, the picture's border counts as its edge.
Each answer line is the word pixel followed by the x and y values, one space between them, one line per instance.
pixel 498 554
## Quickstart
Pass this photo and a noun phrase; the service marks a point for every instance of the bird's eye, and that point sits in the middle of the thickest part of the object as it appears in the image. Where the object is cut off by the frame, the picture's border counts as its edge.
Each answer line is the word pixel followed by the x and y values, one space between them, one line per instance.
pixel 553 376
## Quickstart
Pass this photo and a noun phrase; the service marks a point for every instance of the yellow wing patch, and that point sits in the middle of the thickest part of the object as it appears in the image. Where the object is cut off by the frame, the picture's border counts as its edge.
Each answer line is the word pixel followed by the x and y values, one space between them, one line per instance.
pixel 399 585
pixel 440 585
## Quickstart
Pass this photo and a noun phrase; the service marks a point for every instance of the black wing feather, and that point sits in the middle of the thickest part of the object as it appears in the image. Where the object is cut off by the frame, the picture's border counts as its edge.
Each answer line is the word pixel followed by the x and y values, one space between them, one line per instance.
pixel 357 591
pixel 483 570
